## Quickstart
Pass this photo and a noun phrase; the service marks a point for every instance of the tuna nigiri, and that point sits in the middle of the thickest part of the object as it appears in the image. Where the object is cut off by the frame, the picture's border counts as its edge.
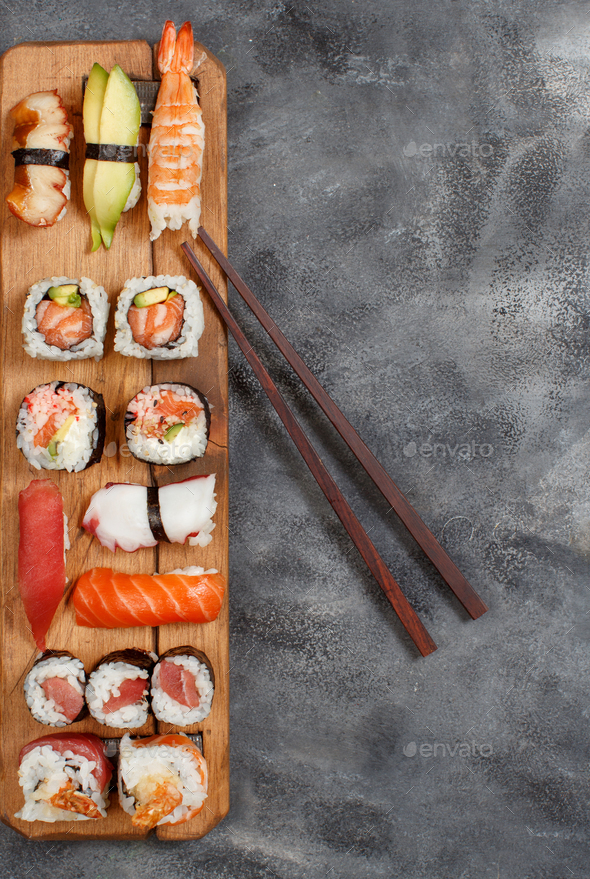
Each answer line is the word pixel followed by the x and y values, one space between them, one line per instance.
pixel 108 600
pixel 41 554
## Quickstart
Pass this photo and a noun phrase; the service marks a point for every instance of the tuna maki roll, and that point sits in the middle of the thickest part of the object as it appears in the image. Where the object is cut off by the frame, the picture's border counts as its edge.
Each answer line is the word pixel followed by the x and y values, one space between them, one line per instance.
pixel 159 318
pixel 117 690
pixel 182 686
pixel 61 426
pixel 65 319
pixel 54 688
pixel 167 424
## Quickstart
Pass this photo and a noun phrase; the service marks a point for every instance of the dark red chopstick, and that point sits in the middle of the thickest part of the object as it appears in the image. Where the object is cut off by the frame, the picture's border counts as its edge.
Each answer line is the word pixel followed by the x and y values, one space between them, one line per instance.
pixel 388 584
pixel 400 504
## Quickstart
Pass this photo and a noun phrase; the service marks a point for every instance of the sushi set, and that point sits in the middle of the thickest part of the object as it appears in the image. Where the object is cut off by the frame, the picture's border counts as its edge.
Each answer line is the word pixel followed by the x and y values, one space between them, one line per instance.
pixel 114 698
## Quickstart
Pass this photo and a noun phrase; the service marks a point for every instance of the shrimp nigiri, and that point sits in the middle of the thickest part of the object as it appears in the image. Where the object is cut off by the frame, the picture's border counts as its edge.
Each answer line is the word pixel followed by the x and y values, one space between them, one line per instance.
pixel 177 140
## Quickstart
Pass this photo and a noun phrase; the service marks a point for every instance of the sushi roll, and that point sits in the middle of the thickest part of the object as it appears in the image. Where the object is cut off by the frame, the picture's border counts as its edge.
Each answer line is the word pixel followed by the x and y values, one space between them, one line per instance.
pixel 162 779
pixel 61 426
pixel 117 690
pixel 65 319
pixel 159 318
pixel 135 516
pixel 182 686
pixel 167 424
pixel 64 777
pixel 54 688
pixel 41 151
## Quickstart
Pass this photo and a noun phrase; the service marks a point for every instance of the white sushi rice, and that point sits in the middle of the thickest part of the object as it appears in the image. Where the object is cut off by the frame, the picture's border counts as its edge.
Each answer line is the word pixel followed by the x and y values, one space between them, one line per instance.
pixel 104 682
pixel 168 709
pixel 193 319
pixel 44 710
pixel 133 196
pixel 189 443
pixel 76 449
pixel 34 341
pixel 148 764
pixel 43 772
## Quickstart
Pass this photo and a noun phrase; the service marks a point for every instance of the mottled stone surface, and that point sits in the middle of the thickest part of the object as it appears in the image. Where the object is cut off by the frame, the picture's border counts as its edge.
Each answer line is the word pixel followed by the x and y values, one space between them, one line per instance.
pixel 409 188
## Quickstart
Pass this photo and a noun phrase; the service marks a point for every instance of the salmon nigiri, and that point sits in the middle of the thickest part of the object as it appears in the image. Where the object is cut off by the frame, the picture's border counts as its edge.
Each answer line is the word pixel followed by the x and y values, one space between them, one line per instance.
pixel 105 599
pixel 41 554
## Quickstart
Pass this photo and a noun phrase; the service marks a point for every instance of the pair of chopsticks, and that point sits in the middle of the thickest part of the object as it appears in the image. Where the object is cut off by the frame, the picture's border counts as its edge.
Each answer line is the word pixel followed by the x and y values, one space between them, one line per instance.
pixel 400 504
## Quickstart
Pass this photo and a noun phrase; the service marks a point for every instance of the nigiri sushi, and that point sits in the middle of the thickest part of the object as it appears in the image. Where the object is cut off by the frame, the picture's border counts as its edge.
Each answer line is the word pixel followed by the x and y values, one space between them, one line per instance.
pixel 162 779
pixel 107 600
pixel 133 516
pixel 41 147
pixel 177 139
pixel 64 777
pixel 42 544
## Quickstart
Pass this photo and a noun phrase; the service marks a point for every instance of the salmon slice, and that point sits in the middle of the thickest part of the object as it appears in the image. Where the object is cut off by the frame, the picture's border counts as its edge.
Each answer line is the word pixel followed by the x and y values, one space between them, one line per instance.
pixel 41 562
pixel 68 701
pixel 170 409
pixel 179 683
pixel 156 325
pixel 64 326
pixel 130 690
pixel 108 600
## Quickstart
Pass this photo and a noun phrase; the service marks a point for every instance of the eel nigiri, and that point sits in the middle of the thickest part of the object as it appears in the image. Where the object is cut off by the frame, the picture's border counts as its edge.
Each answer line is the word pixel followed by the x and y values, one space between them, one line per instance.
pixel 133 516
pixel 41 147
pixel 41 554
pixel 64 777
pixel 104 599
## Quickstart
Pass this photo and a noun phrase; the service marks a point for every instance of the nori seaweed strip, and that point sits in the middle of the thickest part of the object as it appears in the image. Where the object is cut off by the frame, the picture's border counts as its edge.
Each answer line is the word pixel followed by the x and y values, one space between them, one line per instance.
pixel 111 152
pixel 155 516
pixel 55 158
pixel 101 424
pixel 187 650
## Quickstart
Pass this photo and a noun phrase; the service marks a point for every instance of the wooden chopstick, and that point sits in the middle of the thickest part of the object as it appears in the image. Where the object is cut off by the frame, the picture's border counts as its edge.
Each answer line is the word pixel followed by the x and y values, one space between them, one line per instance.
pixel 388 584
pixel 392 494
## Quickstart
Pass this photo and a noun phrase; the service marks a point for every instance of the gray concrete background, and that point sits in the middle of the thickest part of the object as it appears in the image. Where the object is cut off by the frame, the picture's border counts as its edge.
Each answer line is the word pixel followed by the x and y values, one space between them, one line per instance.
pixel 409 188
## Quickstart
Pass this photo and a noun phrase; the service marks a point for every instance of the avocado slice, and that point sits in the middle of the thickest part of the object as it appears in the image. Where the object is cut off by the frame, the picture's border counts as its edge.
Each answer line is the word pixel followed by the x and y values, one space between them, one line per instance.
pixel 173 432
pixel 66 295
pixel 151 297
pixel 120 119
pixel 171 294
pixel 60 435
pixel 93 101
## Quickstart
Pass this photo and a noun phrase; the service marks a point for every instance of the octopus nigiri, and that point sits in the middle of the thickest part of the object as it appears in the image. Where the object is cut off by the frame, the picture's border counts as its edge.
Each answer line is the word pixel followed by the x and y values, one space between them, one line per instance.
pixel 177 140
pixel 41 147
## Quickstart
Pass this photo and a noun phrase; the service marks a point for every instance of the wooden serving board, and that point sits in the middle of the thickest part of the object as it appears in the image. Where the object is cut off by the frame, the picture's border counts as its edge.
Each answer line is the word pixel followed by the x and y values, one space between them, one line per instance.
pixel 27 255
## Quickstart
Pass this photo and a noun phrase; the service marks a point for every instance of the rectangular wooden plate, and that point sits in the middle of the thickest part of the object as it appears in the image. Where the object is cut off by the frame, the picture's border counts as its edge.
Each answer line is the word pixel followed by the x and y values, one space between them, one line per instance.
pixel 26 255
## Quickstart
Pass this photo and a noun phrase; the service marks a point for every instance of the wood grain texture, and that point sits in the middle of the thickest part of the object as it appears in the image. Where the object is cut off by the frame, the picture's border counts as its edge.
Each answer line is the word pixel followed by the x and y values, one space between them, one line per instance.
pixel 26 255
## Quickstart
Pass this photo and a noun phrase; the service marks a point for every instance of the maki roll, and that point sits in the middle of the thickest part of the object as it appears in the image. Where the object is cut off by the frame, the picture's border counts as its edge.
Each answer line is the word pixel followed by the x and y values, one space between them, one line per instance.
pixel 182 686
pixel 117 689
pixel 135 516
pixel 65 319
pixel 54 688
pixel 162 779
pixel 167 424
pixel 159 318
pixel 61 426
pixel 64 777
